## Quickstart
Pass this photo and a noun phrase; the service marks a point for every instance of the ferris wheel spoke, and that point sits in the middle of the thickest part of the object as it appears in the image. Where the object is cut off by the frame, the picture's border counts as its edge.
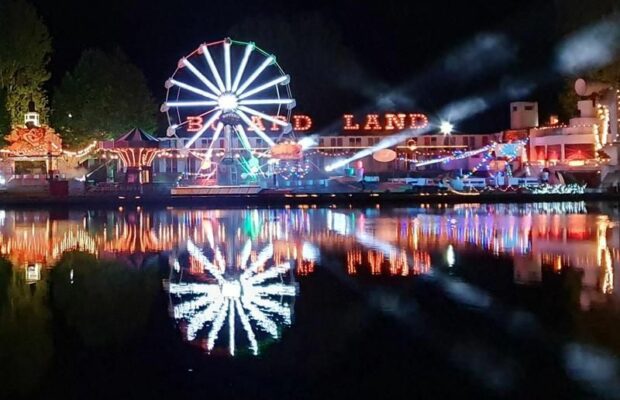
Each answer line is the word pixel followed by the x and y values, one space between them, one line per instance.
pixel 245 322
pixel 231 327
pixel 245 253
pixel 200 76
pixel 195 252
pixel 214 71
pixel 262 258
pixel 259 102
pixel 202 130
pixel 258 131
pixel 244 138
pixel 268 61
pixel 244 63
pixel 217 325
pixel 267 85
pixel 193 89
pixel 191 103
pixel 263 115
pixel 227 72
pixel 203 317
pixel 263 321
pixel 216 135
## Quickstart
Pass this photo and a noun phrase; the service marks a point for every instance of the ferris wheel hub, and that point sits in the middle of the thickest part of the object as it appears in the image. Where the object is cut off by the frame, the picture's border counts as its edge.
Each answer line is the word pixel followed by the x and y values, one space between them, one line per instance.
pixel 228 102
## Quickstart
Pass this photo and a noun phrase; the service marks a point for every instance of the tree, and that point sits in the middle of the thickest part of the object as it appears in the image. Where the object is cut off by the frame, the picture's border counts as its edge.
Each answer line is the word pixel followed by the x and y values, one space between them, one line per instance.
pixel 104 96
pixel 324 73
pixel 25 48
pixel 5 117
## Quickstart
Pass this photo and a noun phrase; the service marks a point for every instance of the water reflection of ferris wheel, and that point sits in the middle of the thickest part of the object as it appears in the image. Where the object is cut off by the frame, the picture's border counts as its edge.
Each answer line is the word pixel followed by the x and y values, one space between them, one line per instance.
pixel 231 295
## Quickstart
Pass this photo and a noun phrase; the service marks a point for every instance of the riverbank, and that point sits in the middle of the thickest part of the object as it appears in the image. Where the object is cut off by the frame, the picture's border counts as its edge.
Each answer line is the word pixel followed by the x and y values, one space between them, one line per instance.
pixel 283 199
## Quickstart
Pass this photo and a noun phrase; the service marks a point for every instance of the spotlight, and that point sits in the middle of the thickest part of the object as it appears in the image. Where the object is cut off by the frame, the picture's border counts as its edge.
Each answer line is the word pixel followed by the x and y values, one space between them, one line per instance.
pixel 446 127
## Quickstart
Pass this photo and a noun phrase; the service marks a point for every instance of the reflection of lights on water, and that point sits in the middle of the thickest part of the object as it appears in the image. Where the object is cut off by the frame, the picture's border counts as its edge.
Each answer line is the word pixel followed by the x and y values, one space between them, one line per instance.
pixel 254 296
pixel 310 252
pixel 337 222
pixel 450 257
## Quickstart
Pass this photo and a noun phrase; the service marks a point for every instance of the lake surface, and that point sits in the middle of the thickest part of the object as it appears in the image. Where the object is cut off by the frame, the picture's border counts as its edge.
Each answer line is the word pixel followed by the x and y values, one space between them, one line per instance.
pixel 491 301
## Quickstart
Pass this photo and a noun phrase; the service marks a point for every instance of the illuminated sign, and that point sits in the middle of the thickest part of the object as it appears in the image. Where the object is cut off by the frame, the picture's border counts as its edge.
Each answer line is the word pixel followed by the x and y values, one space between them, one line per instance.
pixel 301 123
pixel 387 122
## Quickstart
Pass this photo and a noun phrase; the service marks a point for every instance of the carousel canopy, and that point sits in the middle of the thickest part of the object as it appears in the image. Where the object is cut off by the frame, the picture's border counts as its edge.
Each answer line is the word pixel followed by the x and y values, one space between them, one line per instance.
pixel 135 138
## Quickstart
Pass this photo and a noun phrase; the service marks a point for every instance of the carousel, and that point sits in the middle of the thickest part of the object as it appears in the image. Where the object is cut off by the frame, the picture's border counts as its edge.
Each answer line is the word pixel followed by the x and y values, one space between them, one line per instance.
pixel 136 150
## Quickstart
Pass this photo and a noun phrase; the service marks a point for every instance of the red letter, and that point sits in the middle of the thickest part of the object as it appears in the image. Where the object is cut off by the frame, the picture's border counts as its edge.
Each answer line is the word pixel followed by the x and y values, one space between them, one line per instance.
pixel 418 121
pixel 302 123
pixel 274 126
pixel 194 124
pixel 348 123
pixel 392 120
pixel 257 122
pixel 372 123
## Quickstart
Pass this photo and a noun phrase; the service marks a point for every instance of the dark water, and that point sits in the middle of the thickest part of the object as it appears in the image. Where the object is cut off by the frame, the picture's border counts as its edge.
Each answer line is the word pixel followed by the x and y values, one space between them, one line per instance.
pixel 484 301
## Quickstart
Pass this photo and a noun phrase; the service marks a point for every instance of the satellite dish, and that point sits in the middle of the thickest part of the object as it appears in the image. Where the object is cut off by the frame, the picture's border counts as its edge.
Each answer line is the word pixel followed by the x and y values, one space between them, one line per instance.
pixel 384 155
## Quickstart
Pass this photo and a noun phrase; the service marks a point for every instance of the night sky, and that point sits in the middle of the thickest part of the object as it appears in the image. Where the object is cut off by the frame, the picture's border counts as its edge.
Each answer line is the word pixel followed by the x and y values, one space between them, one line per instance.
pixel 393 43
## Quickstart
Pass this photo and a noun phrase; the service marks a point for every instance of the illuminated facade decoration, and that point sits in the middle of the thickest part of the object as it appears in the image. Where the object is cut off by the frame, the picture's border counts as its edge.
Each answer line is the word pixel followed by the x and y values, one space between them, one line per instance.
pixel 35 141
pixel 386 122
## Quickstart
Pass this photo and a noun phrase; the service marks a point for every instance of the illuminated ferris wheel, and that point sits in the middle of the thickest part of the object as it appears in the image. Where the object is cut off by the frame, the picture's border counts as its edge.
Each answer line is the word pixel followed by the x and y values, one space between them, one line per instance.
pixel 229 88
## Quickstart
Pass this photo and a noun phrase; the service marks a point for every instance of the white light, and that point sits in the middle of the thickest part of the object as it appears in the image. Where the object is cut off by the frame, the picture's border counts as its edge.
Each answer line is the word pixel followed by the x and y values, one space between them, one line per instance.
pixel 228 102
pixel 264 116
pixel 268 61
pixel 191 103
pixel 200 76
pixel 244 62
pixel 192 89
pixel 216 135
pixel 258 131
pixel 214 71
pixel 202 130
pixel 227 72
pixel 259 102
pixel 450 257
pixel 231 289
pixel 264 86
pixel 307 142
pixel 446 127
